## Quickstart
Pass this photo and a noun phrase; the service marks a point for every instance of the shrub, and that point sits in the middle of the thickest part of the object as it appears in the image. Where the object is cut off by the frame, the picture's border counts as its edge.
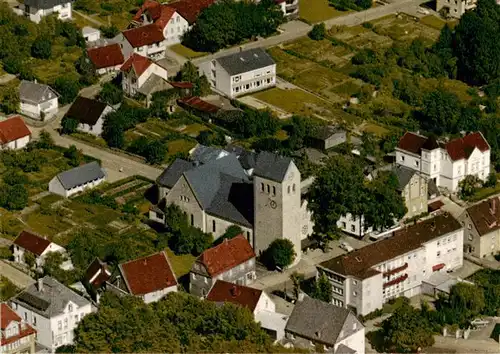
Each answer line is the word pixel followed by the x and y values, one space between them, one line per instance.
pixel 368 25
pixel 318 32
pixel 41 48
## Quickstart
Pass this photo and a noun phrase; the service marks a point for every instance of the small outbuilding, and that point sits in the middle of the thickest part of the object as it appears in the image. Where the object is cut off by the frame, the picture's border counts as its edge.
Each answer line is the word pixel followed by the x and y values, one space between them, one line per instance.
pixel 77 180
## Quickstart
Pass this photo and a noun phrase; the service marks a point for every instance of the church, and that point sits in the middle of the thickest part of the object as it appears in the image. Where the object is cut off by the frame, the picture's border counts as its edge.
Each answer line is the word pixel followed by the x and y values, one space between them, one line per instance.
pixel 259 192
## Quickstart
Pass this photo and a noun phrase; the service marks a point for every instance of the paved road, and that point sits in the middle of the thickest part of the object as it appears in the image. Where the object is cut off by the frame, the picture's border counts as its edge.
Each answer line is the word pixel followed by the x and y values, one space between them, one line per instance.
pixel 19 279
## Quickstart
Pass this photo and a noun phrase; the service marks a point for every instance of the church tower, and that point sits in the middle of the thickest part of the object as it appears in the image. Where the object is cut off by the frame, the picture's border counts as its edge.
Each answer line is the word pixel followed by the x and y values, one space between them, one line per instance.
pixel 277 202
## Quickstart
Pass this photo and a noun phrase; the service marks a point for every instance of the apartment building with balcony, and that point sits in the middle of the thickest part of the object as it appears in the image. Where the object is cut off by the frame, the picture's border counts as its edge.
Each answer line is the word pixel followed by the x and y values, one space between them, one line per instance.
pixel 445 163
pixel 367 278
pixel 241 73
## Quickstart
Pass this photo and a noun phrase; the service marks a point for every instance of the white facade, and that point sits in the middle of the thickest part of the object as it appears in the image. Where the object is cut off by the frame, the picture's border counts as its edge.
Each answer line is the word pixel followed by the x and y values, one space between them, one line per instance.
pixel 36 110
pixel 437 165
pixel 56 187
pixel 19 253
pixel 36 15
pixel 455 8
pixel 158 295
pixel 406 272
pixel 95 129
pixel 355 341
pixel 175 29
pixel 16 144
pixel 353 225
pixel 131 83
pixel 153 51
pixel 57 330
pixel 91 34
pixel 237 85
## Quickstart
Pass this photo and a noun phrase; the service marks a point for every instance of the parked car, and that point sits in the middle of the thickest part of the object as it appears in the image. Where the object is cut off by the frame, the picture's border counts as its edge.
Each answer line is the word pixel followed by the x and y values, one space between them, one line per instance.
pixel 346 247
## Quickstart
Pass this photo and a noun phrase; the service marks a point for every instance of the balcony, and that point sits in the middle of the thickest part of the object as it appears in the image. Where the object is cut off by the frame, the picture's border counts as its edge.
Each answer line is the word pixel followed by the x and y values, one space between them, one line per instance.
pixel 396 281
pixel 396 270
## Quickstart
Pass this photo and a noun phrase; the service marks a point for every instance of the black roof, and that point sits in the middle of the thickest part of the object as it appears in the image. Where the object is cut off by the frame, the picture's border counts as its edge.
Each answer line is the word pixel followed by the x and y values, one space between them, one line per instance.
pixel 45 4
pixel 245 61
pixel 173 172
pixel 271 166
pixel 81 175
pixel 86 110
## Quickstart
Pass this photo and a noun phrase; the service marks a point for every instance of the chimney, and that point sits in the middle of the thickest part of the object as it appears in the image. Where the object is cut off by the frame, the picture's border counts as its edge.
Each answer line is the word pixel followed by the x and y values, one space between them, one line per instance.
pixel 40 284
pixel 234 291
pixel 493 206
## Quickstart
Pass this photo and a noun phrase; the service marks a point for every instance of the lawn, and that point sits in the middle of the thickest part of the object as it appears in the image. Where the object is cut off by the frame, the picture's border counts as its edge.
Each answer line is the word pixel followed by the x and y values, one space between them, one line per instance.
pixel 181 264
pixel 47 225
pixel 186 52
pixel 180 146
pixel 10 225
pixel 375 129
pixel 313 11
pixel 82 22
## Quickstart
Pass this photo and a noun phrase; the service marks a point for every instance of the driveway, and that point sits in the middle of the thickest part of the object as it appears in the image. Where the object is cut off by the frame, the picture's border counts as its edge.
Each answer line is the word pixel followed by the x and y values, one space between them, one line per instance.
pixel 17 277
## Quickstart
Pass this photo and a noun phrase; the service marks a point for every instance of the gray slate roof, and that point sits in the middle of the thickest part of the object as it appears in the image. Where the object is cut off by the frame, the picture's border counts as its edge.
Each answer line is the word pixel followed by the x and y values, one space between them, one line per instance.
pixel 344 349
pixel 173 172
pixel 36 93
pixel 51 301
pixel 45 4
pixel 271 166
pixel 245 61
pixel 311 317
pixel 204 154
pixel 80 175
pixel 404 175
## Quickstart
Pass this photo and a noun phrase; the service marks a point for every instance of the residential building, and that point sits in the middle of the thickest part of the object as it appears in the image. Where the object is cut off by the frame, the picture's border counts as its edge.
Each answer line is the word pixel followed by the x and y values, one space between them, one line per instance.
pixel 257 301
pixel 232 260
pixel 263 198
pixel 53 310
pixel 89 114
pixel 35 10
pixel 241 73
pixel 326 137
pixel 445 163
pixel 106 59
pixel 95 278
pixel 39 247
pixel 91 34
pixel 37 101
pixel 146 40
pixel 368 277
pixel 290 8
pixel 455 8
pixel 78 179
pixel 150 278
pixel 314 322
pixel 481 224
pixel 16 335
pixel 14 134
pixel 142 75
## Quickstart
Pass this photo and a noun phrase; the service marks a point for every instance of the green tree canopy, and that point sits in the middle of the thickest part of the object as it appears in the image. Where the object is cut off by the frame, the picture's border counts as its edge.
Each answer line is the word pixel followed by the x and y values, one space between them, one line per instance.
pixel 441 112
pixel 318 32
pixel 322 289
pixel 111 94
pixel 280 253
pixel 68 125
pixel 41 48
pixel 68 87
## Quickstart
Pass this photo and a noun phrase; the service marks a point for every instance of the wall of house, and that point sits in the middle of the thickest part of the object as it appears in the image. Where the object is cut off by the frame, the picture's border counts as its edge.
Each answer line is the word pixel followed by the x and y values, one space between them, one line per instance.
pixel 109 69
pixel 30 109
pixel 154 51
pixel 152 69
pixel 447 249
pixel 489 244
pixel 36 15
pixel 217 227
pixel 95 129
pixel 456 7
pixel 56 187
pixel 38 322
pixel 175 29
pixel 25 344
pixel 415 196
pixel 265 303
pixel 252 81
pixel 355 341
pixel 353 225
pixel 16 144
pixel 307 228
pixel 63 325
pixel 182 195
pixel 217 76
pixel 157 295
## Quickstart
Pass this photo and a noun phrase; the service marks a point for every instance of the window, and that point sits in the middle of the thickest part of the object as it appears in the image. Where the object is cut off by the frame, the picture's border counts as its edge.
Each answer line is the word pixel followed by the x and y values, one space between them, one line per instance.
pixel 248 236
pixel 274 190
pixel 353 228
pixel 268 189
pixel 59 325
pixel 262 187
pixel 26 316
pixel 76 318
pixel 213 225
pixel 416 163
pixel 66 323
pixel 438 253
pixel 293 187
pixel 288 189
pixel 192 220
pixel 402 158
pixel 354 282
pixel 70 307
pixel 354 293
pixel 343 224
pixel 34 320
pixel 470 237
pixel 469 226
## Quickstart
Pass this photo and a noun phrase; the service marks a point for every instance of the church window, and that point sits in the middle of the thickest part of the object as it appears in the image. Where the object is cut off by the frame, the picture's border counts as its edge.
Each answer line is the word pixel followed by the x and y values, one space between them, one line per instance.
pixel 192 220
pixel 213 225
pixel 288 189
pixel 293 187
pixel 274 190
pixel 268 189
pixel 262 187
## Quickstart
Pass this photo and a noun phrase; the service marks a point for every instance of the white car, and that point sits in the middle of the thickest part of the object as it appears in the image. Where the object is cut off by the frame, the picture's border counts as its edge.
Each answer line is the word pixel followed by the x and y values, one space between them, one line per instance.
pixel 346 247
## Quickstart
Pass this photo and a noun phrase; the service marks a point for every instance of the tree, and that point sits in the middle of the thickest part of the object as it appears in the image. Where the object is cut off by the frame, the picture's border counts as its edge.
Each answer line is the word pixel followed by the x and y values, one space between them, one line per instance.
pixel 109 31
pixel 41 48
pixel 280 253
pixel 13 177
pixel 67 87
pixel 441 112
pixel 45 140
pixel 68 125
pixel 492 180
pixel 9 100
pixel 86 69
pixel 318 32
pixel 323 289
pixel 155 152
pixel 406 331
pixel 7 289
pixel 30 260
pixel 111 94
pixel 468 186
pixel 73 155
pixel 467 299
pixel 188 73
pixel 84 248
pixel 114 136
pixel 14 197
pixel 202 86
pixel 297 279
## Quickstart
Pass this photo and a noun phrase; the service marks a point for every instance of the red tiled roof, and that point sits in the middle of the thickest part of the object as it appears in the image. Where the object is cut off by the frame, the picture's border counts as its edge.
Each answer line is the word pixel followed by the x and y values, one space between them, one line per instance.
pixel 434 206
pixel 148 274
pixel 485 215
pixel 97 273
pixel 138 63
pixel 166 13
pixel 462 148
pixel 144 35
pixel 7 315
pixel 150 6
pixel 12 129
pixel 245 296
pixel 190 9
pixel 198 104
pixel 360 262
pixel 182 85
pixel 412 142
pixel 31 242
pixel 226 255
pixel 104 57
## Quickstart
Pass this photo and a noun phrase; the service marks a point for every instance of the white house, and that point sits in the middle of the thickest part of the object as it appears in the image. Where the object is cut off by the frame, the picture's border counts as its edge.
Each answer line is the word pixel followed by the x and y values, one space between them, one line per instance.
pixel 91 34
pixel 445 163
pixel 141 74
pixel 367 278
pixel 106 59
pixel 53 310
pixel 77 180
pixel 16 335
pixel 150 278
pixel 290 8
pixel 314 322
pixel 241 73
pixel 89 114
pixel 35 10
pixel 37 101
pixel 455 8
pixel 39 247
pixel 14 134
pixel 257 301
pixel 146 40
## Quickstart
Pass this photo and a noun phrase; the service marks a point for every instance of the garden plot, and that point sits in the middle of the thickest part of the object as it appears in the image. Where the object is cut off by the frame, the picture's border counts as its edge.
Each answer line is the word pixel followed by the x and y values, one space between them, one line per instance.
pixel 404 28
